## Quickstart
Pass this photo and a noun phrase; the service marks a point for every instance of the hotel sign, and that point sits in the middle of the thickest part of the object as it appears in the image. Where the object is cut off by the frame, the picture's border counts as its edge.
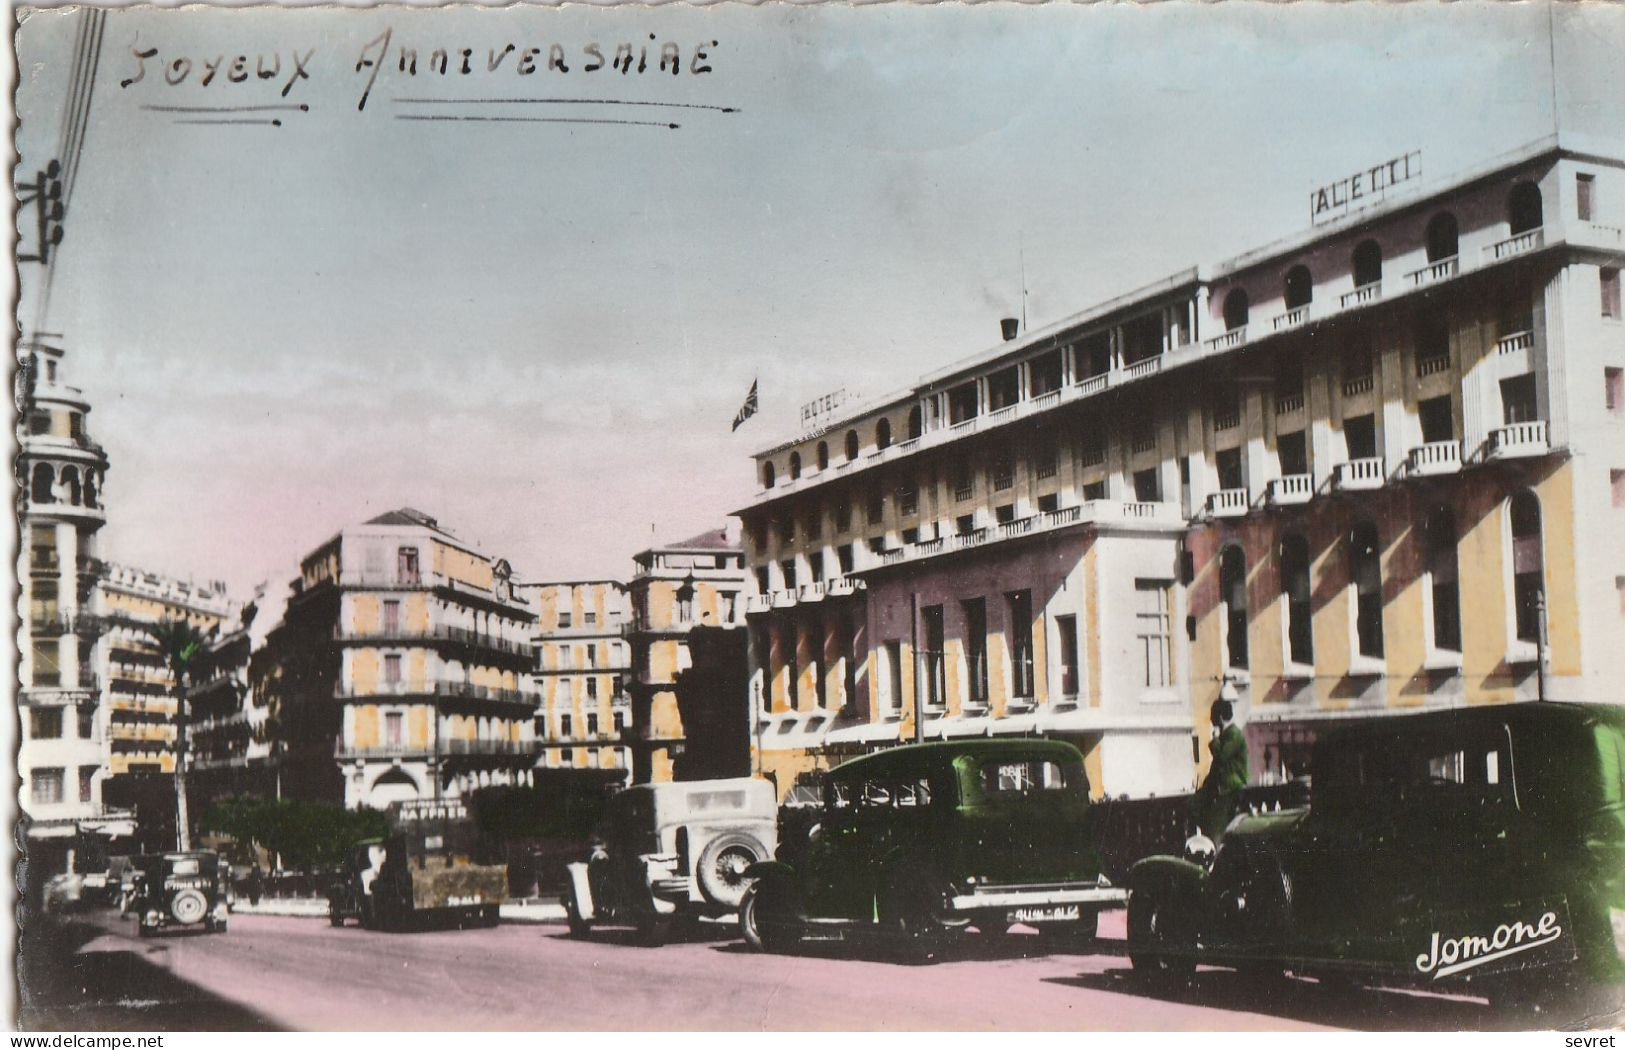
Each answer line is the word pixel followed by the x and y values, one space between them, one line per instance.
pixel 1336 199
pixel 818 411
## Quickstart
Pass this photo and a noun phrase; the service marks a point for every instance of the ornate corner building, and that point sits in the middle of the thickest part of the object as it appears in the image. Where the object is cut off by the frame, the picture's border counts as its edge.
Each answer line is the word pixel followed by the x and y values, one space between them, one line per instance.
pixel 1378 466
pixel 401 668
pixel 60 470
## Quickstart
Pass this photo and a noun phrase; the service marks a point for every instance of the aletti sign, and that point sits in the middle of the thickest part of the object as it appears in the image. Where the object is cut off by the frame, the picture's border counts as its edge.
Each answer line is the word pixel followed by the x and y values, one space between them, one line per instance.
pixel 1337 199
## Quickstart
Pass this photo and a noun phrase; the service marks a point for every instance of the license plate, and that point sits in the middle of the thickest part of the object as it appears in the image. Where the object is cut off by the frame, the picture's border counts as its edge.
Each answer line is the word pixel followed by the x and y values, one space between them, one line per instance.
pixel 1058 913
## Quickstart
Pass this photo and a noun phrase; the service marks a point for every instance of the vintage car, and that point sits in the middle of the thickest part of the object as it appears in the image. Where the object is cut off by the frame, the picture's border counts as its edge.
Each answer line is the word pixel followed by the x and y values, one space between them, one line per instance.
pixel 664 851
pixel 1480 848
pixel 179 890
pixel 928 838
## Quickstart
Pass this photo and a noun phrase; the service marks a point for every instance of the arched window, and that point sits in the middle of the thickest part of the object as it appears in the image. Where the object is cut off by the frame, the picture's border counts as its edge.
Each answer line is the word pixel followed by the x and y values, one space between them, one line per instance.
pixel 1365 575
pixel 1300 287
pixel 914 422
pixel 1300 637
pixel 883 433
pixel 1442 237
pixel 795 465
pixel 70 485
pixel 1524 209
pixel 1235 309
pixel 44 479
pixel 1233 593
pixel 851 445
pixel 823 455
pixel 1528 565
pixel 1367 263
pixel 90 490
pixel 1439 534
pixel 767 475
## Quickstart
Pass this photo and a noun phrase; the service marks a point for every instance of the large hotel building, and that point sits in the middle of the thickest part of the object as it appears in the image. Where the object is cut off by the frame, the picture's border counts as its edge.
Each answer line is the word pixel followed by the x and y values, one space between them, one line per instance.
pixel 1378 466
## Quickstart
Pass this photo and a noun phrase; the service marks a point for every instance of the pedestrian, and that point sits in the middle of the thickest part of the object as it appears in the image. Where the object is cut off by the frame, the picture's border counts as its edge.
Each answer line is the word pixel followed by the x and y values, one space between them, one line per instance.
pixel 254 884
pixel 1216 801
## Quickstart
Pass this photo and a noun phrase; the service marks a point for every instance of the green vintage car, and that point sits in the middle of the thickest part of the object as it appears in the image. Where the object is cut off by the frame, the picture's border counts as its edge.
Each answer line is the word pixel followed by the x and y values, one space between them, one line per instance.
pixel 929 838
pixel 1481 849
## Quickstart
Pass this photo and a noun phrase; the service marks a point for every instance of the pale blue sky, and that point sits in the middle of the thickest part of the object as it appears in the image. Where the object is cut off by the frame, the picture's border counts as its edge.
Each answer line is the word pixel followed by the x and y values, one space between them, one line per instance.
pixel 540 332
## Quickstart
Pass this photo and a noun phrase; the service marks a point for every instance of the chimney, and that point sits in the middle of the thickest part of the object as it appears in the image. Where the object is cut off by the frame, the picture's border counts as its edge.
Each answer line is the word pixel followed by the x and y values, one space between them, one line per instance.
pixel 1009 326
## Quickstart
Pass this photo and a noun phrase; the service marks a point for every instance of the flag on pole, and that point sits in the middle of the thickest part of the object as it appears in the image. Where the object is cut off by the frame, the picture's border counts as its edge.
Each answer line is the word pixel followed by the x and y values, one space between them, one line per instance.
pixel 748 409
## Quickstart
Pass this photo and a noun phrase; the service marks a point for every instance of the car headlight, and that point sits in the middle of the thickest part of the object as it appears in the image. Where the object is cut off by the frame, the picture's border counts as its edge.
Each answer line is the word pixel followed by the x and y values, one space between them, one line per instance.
pixel 1616 917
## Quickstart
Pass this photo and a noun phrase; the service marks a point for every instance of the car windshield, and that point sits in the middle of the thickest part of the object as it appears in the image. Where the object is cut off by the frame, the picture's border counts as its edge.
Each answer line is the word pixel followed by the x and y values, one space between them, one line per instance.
pixel 1026 776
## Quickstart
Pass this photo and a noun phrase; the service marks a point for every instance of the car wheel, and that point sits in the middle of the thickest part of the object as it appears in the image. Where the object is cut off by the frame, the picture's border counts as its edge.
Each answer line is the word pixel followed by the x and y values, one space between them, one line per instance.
pixel 917 909
pixel 1150 938
pixel 188 907
pixel 767 917
pixel 721 869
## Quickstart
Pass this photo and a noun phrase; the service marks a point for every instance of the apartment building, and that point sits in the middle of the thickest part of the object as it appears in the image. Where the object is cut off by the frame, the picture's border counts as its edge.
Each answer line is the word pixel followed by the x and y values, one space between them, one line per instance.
pixel 1377 466
pixel 582 661
pixel 60 471
pixel 142 724
pixel 697 585
pixel 233 734
pixel 401 668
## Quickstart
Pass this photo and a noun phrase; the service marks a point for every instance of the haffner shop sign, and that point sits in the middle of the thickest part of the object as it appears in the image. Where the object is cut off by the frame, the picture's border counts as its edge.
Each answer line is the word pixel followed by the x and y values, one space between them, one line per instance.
pixel 1337 199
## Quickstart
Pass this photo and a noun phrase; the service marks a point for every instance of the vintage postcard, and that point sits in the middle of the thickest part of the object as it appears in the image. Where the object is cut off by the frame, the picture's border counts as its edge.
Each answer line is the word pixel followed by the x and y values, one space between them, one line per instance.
pixel 820 517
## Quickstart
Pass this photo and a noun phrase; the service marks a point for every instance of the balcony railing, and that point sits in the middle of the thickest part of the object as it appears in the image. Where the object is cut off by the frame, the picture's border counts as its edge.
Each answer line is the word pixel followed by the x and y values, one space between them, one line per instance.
pixel 1517 244
pixel 1286 404
pixel 1427 366
pixel 1435 457
pixel 1365 293
pixel 1227 503
pixel 972 538
pixel 487 747
pixel 434 633
pixel 1359 474
pixel 1292 488
pixel 1292 318
pixel 1442 270
pixel 1093 384
pixel 1229 340
pixel 1015 527
pixel 1518 439
pixel 1228 419
pixel 1359 385
pixel 1141 369
pixel 1511 344
pixel 1045 400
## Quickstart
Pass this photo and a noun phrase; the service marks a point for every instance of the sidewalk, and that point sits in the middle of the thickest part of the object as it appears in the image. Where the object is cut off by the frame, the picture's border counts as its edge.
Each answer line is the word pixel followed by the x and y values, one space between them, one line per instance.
pixel 520 910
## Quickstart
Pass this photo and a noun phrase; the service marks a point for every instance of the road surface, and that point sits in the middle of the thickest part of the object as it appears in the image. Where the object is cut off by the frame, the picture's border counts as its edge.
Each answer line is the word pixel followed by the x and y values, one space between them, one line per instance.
pixel 272 972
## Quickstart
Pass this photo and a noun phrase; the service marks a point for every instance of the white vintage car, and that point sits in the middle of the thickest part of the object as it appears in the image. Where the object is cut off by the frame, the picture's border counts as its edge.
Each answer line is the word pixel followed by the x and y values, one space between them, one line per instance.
pixel 664 851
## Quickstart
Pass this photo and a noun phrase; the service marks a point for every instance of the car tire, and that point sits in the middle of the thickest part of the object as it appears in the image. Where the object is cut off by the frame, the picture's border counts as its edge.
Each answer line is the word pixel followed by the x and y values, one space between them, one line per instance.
pixel 915 908
pixel 1148 916
pixel 720 870
pixel 767 917
pixel 188 907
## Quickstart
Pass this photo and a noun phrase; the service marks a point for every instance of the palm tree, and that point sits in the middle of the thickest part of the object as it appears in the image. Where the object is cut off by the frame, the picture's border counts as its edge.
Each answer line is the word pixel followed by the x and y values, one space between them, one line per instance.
pixel 179 642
